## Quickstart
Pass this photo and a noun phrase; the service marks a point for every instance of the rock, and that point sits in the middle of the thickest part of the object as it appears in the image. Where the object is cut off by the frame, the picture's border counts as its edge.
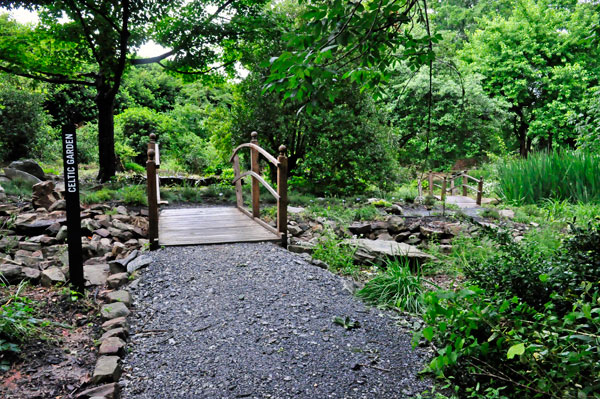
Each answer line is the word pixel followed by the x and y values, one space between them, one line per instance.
pixel 62 234
pixel 30 246
pixel 120 296
pixel 387 249
pixel 42 195
pixel 119 322
pixel 29 166
pixel 112 346
pixel 445 249
pixel 28 260
pixel 31 273
pixel 15 174
pixel 396 209
pixel 120 234
pixel 35 227
pixel 121 332
pixel 295 230
pixel 453 228
pixel 8 243
pixel 121 210
pixel 108 391
pixel 95 274
pixel 395 224
pixel 114 310
pixel 102 232
pixel 2 194
pixel 117 280
pixel 138 263
pixel 303 248
pixel 107 368
pixel 430 232
pixel 294 210
pixel 319 263
pixel 51 276
pixel 506 213
pixel 90 225
pixel 358 228
pixel 10 272
pixel 59 205
pixel 385 236
pixel 117 247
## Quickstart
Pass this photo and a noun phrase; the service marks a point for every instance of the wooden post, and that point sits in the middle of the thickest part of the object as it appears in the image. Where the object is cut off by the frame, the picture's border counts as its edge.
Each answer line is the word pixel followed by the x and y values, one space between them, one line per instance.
pixel 152 197
pixel 452 188
pixel 464 183
pixel 479 191
pixel 444 183
pixel 238 184
pixel 430 184
pixel 282 191
pixel 255 184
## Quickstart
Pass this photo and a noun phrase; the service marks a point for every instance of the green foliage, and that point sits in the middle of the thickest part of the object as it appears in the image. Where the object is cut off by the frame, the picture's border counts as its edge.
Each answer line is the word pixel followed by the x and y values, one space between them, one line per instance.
pixel 148 86
pixel 18 321
pixel 22 119
pixel 537 59
pixel 529 327
pixel 397 287
pixel 564 175
pixel 465 122
pixel 103 195
pixel 133 195
pixel 338 256
pixel 18 187
pixel 134 167
pixel 344 41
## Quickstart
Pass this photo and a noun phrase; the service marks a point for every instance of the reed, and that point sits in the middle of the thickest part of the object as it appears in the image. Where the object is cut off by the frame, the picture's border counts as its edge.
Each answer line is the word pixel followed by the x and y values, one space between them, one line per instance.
pixel 573 176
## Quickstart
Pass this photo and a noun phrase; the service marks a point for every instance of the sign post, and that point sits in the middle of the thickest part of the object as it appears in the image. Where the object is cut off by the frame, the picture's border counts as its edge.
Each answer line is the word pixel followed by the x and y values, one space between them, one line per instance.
pixel 71 171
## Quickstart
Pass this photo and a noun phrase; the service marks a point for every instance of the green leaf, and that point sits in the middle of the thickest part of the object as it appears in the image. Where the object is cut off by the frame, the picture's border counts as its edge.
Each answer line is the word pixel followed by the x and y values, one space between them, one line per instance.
pixel 428 333
pixel 514 350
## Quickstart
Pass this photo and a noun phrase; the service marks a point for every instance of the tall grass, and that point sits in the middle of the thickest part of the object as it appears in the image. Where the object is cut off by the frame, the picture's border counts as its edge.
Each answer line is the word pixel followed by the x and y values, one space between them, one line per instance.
pixel 566 175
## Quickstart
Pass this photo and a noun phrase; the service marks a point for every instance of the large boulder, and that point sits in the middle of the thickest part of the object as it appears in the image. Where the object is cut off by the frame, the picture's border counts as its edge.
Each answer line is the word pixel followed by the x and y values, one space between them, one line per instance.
pixel 29 166
pixel 381 249
pixel 15 174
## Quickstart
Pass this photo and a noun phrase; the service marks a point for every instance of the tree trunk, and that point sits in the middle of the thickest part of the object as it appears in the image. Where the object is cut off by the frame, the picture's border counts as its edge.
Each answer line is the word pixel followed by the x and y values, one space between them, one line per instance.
pixel 521 132
pixel 106 136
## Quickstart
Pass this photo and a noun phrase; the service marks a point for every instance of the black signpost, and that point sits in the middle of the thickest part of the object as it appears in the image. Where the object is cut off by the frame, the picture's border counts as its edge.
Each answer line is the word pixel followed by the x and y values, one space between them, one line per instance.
pixel 73 206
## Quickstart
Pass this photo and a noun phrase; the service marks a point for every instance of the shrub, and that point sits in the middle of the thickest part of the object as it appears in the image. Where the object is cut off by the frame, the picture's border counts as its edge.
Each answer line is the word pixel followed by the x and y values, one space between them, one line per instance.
pixel 565 175
pixel 18 187
pixel 529 327
pixel 134 195
pixel 397 287
pixel 22 119
pixel 134 167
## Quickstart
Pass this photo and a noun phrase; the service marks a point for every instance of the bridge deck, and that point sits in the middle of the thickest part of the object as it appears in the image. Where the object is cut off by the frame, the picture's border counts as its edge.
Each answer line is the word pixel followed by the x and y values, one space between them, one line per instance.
pixel 210 225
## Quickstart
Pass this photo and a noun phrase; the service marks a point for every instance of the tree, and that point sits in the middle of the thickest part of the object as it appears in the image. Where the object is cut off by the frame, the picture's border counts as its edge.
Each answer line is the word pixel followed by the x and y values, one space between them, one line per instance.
pixel 343 40
pixel 538 61
pixel 94 46
pixel 465 121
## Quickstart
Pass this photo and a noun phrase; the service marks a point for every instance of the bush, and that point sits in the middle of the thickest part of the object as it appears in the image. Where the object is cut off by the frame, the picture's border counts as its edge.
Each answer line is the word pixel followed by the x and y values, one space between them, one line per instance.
pixel 565 175
pixel 22 119
pixel 526 327
pixel 339 257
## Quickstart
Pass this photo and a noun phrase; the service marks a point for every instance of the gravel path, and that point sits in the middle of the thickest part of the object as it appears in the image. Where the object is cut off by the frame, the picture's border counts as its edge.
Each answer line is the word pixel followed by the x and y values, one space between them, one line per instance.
pixel 256 321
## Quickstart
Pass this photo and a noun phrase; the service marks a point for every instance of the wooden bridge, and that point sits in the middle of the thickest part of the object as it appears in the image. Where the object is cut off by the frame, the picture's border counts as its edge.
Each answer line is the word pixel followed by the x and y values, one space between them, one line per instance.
pixel 448 185
pixel 222 224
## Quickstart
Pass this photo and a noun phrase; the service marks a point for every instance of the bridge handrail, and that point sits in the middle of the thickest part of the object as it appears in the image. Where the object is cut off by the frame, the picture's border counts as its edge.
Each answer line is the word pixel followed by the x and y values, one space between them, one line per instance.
pixel 281 162
pixel 264 152
pixel 446 179
pixel 153 189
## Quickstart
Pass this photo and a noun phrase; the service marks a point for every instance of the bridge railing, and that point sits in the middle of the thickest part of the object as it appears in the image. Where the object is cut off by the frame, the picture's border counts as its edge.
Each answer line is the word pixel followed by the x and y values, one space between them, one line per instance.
pixel 153 189
pixel 448 184
pixel 281 162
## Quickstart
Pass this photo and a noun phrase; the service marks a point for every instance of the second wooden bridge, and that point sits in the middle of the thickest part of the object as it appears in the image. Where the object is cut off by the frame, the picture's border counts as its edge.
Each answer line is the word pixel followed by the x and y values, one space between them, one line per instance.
pixel 218 225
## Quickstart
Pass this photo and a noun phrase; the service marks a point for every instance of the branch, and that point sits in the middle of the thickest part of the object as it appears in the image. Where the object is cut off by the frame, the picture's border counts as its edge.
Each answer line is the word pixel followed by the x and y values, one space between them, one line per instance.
pixel 157 59
pixel 86 31
pixel 197 72
pixel 104 16
pixel 58 80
